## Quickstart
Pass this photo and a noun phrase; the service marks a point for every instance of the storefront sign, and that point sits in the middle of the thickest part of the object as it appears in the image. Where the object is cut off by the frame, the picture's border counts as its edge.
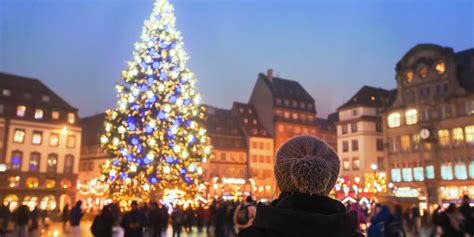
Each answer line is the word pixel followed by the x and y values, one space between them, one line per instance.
pixel 233 181
pixel 406 192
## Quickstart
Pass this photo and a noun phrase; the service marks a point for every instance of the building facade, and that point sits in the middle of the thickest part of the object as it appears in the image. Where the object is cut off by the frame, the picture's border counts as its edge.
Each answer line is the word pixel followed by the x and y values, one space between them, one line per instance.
pixel 286 109
pixel 430 125
pixel 40 145
pixel 361 142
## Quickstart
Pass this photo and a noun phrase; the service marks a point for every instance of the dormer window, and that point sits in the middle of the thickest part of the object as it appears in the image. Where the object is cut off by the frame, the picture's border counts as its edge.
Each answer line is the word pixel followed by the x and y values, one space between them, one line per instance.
pixel 310 106
pixel 250 111
pixel 254 122
pixel 38 114
pixel 71 118
pixel 6 92
pixel 27 95
pixel 55 115
pixel 278 101
pixel 394 120
pixel 440 68
pixel 295 104
pixel 423 72
pixel 241 110
pixel 246 120
pixel 20 111
pixel 409 76
pixel 302 105
pixel 287 102
pixel 45 98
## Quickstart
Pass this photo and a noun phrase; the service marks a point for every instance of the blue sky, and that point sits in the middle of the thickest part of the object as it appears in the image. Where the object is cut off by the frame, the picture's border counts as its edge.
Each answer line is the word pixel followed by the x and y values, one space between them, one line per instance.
pixel 333 47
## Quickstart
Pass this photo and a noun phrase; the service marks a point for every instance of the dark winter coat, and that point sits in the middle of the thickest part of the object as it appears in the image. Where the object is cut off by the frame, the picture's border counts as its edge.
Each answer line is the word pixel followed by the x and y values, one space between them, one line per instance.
pixel 468 213
pixel 302 215
pixel 23 215
pixel 102 225
pixel 75 215
pixel 133 223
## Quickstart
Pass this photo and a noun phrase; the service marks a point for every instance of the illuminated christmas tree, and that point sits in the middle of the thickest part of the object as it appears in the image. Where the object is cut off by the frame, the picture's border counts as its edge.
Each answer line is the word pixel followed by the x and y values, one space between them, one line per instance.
pixel 155 135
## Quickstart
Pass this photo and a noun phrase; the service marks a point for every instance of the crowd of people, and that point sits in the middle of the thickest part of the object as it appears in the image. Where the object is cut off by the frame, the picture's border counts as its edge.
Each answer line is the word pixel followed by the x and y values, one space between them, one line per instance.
pixel 306 171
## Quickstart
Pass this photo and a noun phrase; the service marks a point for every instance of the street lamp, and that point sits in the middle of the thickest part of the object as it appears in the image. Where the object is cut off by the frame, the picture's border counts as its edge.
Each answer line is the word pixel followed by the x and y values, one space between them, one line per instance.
pixel 373 167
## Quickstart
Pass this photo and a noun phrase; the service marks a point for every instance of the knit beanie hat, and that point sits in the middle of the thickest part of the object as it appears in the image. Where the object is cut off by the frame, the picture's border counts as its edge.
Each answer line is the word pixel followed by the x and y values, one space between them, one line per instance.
pixel 306 164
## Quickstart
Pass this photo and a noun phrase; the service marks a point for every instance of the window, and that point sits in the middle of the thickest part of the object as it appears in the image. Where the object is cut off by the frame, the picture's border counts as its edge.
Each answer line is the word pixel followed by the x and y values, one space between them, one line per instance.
pixel 2 108
pixel 17 157
pixel 19 136
pixel 418 174
pixel 405 142
pixel 286 114
pixel 354 112
pixel 71 141
pixel 379 144
pixel 443 137
pixel 396 175
pixel 355 145
pixel 302 105
pixel 20 110
pixel 409 76
pixel 294 103
pixel 407 174
pixel 469 130
pixel 35 158
pixel 50 183
pixel 394 120
pixel 394 144
pixel 254 159
pixel 37 138
pixel 470 107
pixel 287 102
pixel 416 141
pixel 344 129
pixel 310 106
pixel 354 127
pixel 447 171
pixel 458 135
pixel 411 116
pixel 38 114
pixel 32 182
pixel 65 183
pixel 54 139
pixel 380 163
pixel 440 68
pixel 355 163
pixel 294 116
pixel 261 145
pixel 52 163
pixel 71 118
pixel 261 159
pixel 460 170
pixel 14 181
pixel 378 127
pixel 345 146
pixel 278 101
pixel 346 165
pixel 471 169
pixel 55 115
pixel 45 98
pixel 423 72
pixel 430 173
pixel 6 92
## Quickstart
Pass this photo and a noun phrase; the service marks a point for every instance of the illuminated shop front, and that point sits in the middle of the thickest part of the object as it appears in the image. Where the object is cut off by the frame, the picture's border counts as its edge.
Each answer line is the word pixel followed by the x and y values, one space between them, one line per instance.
pixel 453 193
pixel 93 193
pixel 230 188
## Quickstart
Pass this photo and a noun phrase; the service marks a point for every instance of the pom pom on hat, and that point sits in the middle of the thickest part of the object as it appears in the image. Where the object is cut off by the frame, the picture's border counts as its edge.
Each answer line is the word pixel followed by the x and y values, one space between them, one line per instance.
pixel 306 164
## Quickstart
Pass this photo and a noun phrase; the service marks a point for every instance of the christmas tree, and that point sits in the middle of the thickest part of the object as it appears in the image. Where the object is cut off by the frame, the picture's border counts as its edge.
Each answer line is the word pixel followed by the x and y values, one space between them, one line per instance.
pixel 155 135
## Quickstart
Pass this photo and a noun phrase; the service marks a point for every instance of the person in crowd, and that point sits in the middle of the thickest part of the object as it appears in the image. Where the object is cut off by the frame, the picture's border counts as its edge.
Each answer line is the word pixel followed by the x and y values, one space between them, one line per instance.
pixel 34 215
pixel 5 216
pixel 399 212
pixel 452 222
pixel 165 216
pixel 155 220
pixel 229 219
pixel 306 171
pixel 117 230
pixel 189 219
pixel 177 217
pixel 146 211
pixel 133 221
pixel 384 224
pixel 22 220
pixel 361 218
pixel 219 219
pixel 211 213
pixel 200 217
pixel 468 213
pixel 44 215
pixel 103 223
pixel 244 214
pixel 416 216
pixel 65 215
pixel 75 217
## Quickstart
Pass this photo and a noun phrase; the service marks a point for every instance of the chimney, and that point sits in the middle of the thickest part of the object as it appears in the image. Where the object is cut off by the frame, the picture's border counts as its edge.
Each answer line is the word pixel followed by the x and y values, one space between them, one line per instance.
pixel 270 74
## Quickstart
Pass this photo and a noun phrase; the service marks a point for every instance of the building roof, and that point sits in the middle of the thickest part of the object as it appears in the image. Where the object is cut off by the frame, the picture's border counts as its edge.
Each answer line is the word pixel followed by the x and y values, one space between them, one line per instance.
pixel 465 68
pixel 369 96
pixel 92 128
pixel 287 89
pixel 31 91
pixel 249 121
pixel 325 124
pixel 224 129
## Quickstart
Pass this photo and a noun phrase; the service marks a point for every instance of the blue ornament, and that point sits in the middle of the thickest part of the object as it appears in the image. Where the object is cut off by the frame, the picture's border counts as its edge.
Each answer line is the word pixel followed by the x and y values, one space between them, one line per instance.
pixel 123 175
pixel 135 141
pixel 163 76
pixel 144 65
pixel 130 158
pixel 144 88
pixel 187 179
pixel 150 80
pixel 136 107
pixel 116 163
pixel 156 65
pixel 182 171
pixel 147 106
pixel 152 99
pixel 178 89
pixel 176 122
pixel 171 144
pixel 139 148
pixel 161 115
pixel 132 127
pixel 182 80
pixel 188 123
pixel 164 45
pixel 173 45
pixel 146 161
pixel 158 17
pixel 187 101
pixel 148 129
pixel 153 180
pixel 172 99
pixel 169 159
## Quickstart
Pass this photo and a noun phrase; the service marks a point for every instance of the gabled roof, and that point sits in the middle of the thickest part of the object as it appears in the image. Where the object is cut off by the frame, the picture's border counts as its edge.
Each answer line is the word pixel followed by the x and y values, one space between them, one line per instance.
pixel 465 68
pixel 92 128
pixel 325 124
pixel 249 120
pixel 19 85
pixel 224 129
pixel 284 88
pixel 368 96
